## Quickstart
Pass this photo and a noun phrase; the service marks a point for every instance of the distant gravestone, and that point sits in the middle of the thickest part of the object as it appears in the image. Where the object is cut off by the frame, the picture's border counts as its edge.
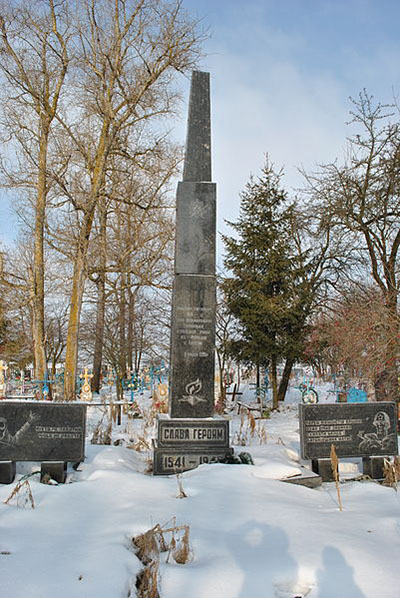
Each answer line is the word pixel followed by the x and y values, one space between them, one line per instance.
pixel 201 438
pixel 367 430
pixel 50 433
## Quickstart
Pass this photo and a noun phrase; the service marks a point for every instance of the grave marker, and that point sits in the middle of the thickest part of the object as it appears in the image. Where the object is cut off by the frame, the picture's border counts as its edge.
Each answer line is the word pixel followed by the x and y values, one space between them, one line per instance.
pixel 32 431
pixel 367 430
pixel 182 446
pixel 86 391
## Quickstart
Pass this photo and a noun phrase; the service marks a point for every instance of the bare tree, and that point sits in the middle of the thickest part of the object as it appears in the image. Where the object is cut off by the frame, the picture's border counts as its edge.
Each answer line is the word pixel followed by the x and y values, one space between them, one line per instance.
pixel 33 68
pixel 361 200
pixel 129 54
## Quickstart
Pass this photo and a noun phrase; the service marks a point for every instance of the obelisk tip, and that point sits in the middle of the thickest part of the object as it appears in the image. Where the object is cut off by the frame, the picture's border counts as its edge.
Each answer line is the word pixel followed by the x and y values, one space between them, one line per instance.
pixel 197 165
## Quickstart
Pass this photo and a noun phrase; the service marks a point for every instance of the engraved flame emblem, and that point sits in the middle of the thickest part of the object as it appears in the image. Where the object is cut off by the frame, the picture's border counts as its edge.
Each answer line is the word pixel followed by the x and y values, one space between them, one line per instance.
pixel 192 389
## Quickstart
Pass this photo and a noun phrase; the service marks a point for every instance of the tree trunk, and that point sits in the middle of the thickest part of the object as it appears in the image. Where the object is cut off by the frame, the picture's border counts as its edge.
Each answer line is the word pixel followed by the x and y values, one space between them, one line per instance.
pixel 79 275
pixel 37 281
pixel 78 283
pixel 274 384
pixel 122 335
pixel 221 368
pixel 99 335
pixel 283 385
pixel 131 316
pixel 101 302
pixel 258 378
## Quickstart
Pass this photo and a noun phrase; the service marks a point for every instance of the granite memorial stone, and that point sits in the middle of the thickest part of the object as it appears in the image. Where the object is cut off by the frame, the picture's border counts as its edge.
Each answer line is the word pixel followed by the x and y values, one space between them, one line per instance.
pixel 367 430
pixel 192 347
pixel 32 431
pixel 201 438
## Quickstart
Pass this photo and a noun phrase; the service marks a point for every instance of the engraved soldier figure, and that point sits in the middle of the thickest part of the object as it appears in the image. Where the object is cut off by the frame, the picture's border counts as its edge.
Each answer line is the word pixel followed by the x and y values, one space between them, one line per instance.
pixel 381 438
pixel 14 439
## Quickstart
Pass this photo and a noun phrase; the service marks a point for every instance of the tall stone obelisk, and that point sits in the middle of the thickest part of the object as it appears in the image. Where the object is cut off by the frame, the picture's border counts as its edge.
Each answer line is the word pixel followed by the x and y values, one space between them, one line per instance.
pixel 191 435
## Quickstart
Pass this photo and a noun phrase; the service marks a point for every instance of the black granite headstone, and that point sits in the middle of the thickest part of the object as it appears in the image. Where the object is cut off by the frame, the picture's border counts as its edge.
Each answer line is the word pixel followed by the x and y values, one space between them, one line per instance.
pixel 356 430
pixel 32 431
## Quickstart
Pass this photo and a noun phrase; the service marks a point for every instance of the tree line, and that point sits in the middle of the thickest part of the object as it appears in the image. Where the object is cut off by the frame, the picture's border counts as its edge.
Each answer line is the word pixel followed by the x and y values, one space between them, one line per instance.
pixel 315 278
pixel 86 88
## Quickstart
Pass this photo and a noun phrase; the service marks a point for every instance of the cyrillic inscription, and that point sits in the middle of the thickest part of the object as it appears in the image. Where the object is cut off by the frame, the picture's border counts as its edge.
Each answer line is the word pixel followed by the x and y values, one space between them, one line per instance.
pixel 172 432
pixel 194 330
pixel 356 430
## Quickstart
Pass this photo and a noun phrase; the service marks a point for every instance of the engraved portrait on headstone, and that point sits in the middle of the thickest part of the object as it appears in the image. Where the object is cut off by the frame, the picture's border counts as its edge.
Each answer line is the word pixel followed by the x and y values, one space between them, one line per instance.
pixel 382 437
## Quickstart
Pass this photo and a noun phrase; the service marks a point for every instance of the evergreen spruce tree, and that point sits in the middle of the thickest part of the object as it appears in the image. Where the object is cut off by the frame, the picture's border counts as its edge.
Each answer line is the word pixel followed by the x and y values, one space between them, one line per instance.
pixel 266 291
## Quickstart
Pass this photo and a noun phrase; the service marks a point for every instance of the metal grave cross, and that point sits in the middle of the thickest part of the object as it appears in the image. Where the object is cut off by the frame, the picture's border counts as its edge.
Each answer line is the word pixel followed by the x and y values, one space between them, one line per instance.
pixel 86 391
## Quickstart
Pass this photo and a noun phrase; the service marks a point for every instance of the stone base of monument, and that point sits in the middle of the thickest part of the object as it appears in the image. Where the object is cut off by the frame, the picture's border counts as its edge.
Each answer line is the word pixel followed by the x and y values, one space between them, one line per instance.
pixel 183 444
pixel 308 479
pixel 323 467
pixel 54 470
pixel 7 472
pixel 373 467
pixel 172 461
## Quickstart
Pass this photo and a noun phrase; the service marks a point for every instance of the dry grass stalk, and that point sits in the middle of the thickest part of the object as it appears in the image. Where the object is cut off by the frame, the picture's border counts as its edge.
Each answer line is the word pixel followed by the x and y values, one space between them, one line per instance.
pixel 182 493
pixel 149 545
pixel 391 472
pixel 241 436
pixel 335 471
pixel 141 440
pixel 114 412
pixel 147 581
pixel 102 433
pixel 163 539
pixel 140 444
pixel 252 424
pixel 181 553
pixel 262 433
pixel 23 494
pixel 249 429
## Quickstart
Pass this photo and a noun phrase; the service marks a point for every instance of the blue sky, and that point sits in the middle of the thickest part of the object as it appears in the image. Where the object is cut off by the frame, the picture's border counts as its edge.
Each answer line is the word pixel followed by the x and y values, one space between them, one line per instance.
pixel 282 73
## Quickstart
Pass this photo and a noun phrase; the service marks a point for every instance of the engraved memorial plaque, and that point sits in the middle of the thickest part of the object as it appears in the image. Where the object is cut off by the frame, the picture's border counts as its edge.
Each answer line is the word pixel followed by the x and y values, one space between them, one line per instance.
pixel 169 461
pixel 31 431
pixel 356 430
pixel 192 347
pixel 212 432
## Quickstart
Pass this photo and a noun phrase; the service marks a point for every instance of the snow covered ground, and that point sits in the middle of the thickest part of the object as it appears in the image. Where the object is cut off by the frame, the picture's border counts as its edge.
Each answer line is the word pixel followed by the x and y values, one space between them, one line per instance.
pixel 252 536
